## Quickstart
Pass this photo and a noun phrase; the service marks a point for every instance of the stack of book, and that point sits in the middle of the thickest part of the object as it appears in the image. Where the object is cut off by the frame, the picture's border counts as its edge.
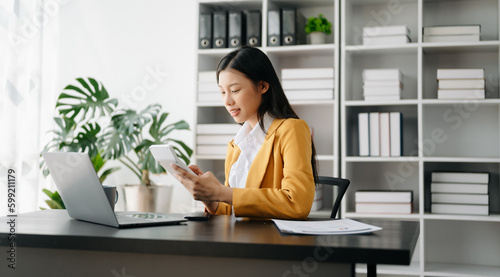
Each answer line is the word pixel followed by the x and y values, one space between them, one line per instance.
pixel 308 83
pixel 459 193
pixel 460 83
pixel 383 35
pixel 212 139
pixel 382 84
pixel 462 33
pixel 380 134
pixel 208 90
pixel 384 202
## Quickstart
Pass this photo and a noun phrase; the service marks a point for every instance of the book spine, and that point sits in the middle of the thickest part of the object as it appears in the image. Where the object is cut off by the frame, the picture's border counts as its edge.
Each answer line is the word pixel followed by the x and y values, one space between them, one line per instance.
pixel 364 134
pixel 308 84
pixel 396 134
pixel 454 38
pixel 385 136
pixel 459 209
pixel 207 76
pixel 386 30
pixel 209 97
pixel 382 74
pixel 383 196
pixel 455 198
pixel 461 84
pixel 213 139
pixel 460 73
pixel 459 188
pixel 461 94
pixel 452 30
pixel 396 90
pixel 307 73
pixel 384 40
pixel 217 129
pixel 208 87
pixel 211 150
pixel 384 208
pixel 374 134
pixel 323 94
pixel 460 177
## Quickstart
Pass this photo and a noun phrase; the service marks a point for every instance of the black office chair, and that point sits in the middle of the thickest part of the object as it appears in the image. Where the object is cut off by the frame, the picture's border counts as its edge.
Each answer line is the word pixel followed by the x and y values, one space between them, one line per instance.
pixel 342 185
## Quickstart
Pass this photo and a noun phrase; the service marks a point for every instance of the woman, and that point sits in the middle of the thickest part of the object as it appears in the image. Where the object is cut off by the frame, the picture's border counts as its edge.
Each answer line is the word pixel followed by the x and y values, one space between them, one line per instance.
pixel 270 164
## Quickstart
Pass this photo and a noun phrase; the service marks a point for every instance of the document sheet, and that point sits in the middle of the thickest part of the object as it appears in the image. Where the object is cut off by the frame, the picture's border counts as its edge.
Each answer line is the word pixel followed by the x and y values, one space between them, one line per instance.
pixel 324 227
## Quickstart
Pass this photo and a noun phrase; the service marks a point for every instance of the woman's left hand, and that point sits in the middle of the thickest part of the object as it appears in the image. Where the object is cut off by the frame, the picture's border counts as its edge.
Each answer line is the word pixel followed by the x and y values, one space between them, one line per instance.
pixel 205 186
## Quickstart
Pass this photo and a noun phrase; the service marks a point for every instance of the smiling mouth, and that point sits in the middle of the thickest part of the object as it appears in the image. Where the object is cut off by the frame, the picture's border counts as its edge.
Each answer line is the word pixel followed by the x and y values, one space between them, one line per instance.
pixel 234 112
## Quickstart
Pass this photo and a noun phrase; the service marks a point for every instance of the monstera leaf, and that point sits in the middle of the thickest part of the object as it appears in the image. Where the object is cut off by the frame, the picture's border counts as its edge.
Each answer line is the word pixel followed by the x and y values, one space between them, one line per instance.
pixel 76 100
pixel 125 130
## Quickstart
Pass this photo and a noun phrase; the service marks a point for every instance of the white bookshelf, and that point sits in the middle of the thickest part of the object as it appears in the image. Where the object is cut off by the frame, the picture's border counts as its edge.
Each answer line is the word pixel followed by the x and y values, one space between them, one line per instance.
pixel 449 245
pixel 326 136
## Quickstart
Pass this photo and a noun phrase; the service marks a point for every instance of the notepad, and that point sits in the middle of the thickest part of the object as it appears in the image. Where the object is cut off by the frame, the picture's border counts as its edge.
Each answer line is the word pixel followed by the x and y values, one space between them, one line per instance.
pixel 325 227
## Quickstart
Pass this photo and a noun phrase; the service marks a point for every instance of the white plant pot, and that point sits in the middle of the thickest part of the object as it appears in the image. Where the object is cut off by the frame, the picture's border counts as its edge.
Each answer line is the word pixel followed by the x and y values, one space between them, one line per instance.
pixel 147 199
pixel 317 37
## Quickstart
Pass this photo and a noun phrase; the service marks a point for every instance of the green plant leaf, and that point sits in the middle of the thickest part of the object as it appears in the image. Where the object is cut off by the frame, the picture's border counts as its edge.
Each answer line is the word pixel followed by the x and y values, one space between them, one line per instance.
pixel 53 204
pixel 318 24
pixel 125 131
pixel 87 139
pixel 108 171
pixel 75 100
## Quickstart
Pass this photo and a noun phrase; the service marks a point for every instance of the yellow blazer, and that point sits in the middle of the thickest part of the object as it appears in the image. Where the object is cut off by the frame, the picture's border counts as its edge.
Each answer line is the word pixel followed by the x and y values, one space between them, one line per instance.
pixel 280 182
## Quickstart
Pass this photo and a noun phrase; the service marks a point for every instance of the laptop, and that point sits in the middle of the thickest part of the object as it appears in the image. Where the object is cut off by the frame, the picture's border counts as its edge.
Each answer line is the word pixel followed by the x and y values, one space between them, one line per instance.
pixel 84 197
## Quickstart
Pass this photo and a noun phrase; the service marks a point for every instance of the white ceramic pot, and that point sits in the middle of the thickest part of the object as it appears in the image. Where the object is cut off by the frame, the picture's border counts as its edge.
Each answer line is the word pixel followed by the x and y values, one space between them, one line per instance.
pixel 317 37
pixel 148 199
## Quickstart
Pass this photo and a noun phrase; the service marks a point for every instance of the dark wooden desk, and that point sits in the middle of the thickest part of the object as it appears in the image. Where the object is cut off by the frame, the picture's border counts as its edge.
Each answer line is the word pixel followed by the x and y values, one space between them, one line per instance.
pixel 49 243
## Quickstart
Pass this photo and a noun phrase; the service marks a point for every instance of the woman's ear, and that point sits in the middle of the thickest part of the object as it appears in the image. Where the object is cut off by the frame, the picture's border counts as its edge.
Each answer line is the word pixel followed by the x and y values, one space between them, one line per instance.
pixel 263 87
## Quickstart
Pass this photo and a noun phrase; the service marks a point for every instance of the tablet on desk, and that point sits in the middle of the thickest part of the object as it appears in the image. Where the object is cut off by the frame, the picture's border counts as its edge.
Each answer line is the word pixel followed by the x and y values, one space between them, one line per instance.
pixel 165 155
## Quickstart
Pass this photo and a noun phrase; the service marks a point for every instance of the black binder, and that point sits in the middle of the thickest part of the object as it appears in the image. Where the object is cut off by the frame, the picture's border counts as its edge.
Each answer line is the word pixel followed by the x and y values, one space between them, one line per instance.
pixel 236 29
pixel 220 29
pixel 254 28
pixel 293 23
pixel 205 31
pixel 274 28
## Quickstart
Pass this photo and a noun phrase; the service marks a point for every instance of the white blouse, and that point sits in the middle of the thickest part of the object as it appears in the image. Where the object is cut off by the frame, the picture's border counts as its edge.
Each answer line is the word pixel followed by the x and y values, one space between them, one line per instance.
pixel 249 141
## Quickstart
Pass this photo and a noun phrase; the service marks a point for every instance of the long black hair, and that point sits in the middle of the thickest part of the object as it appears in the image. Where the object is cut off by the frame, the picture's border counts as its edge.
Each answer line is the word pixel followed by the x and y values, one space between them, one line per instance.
pixel 256 66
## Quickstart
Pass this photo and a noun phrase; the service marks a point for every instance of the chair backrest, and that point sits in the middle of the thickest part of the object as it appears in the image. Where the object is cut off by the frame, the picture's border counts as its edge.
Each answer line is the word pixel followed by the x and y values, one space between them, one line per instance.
pixel 342 185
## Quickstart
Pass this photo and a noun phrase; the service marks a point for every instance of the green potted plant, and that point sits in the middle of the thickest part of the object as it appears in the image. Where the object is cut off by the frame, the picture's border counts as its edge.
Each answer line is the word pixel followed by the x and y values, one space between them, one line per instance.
pixel 126 137
pixel 317 28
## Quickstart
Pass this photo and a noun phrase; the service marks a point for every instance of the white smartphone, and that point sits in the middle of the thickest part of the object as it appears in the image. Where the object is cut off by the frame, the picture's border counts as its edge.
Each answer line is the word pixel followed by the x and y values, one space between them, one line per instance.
pixel 165 155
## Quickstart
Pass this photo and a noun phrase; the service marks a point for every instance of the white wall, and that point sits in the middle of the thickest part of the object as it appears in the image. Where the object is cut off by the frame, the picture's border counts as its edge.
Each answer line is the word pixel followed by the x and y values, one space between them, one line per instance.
pixel 121 42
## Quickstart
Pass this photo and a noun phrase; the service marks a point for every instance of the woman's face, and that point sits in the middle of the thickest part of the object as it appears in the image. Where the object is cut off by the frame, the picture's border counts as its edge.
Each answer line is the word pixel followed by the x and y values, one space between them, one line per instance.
pixel 241 96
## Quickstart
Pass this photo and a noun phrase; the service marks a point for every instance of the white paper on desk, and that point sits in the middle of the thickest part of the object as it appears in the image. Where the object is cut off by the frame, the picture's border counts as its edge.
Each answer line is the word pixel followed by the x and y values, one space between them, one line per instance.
pixel 324 227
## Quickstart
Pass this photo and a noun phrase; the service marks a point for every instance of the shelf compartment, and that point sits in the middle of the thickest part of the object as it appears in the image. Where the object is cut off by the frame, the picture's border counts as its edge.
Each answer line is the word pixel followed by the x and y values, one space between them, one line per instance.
pixel 322 129
pixel 493 184
pixel 358 61
pixel 465 130
pixel 460 270
pixel 469 57
pixel 308 9
pixel 402 102
pixel 213 115
pixel 382 176
pixel 463 12
pixel 307 49
pixel 413 216
pixel 460 248
pixel 483 218
pixel 215 166
pixel 410 127
pixel 392 270
pixel 359 14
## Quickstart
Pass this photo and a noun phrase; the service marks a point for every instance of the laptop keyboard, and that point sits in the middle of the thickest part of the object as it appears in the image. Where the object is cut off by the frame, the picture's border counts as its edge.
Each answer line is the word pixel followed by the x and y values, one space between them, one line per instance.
pixel 140 217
